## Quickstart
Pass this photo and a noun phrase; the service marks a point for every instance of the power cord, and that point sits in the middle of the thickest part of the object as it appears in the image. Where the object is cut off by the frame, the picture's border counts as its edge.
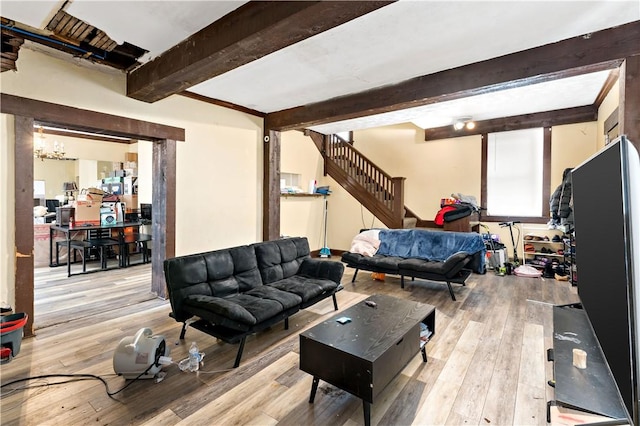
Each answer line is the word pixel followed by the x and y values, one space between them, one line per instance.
pixel 373 218
pixel 74 378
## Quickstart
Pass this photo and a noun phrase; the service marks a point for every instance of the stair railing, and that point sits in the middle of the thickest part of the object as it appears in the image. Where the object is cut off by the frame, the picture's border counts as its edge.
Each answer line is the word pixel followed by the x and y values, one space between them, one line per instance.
pixel 386 191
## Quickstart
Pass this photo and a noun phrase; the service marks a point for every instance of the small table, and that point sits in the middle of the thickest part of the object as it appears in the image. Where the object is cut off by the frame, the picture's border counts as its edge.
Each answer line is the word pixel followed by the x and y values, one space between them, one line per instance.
pixel 364 355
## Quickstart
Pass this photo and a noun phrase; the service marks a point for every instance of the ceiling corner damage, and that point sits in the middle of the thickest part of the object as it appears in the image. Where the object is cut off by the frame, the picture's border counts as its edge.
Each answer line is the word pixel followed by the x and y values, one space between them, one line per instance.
pixel 71 35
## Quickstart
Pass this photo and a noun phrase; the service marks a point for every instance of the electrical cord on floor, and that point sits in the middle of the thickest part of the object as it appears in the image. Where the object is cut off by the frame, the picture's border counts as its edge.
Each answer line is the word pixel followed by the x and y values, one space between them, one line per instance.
pixel 373 218
pixel 74 378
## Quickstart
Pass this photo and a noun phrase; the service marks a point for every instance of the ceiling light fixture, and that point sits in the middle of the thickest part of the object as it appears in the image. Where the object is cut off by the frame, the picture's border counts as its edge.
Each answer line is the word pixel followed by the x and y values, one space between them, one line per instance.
pixel 464 122
pixel 40 148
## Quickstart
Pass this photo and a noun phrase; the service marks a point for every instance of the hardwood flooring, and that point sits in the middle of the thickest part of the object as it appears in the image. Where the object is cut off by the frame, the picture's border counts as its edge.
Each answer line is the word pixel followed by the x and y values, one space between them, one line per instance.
pixel 487 361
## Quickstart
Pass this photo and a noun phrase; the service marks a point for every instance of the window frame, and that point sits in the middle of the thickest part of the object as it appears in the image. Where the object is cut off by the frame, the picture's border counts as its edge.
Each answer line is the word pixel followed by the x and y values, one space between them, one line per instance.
pixel 546 182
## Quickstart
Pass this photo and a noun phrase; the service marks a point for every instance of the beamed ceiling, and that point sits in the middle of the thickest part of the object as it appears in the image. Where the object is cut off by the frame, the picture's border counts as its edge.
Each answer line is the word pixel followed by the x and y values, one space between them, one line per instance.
pixel 348 65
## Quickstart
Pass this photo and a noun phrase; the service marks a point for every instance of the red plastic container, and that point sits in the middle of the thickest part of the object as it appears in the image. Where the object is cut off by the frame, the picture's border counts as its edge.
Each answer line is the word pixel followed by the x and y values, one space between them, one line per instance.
pixel 11 332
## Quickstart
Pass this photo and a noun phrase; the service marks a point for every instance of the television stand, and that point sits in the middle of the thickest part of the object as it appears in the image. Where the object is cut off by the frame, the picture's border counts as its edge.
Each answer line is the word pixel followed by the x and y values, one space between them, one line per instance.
pixel 592 389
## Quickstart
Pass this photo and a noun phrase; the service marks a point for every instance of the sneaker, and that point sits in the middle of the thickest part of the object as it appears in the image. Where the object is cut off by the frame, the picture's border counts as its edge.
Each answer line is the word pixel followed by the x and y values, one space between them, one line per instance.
pixel 560 277
pixel 556 239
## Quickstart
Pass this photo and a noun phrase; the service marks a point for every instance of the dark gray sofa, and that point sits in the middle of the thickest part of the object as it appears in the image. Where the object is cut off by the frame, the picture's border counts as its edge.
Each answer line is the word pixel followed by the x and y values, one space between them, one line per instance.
pixel 450 271
pixel 239 291
pixel 448 257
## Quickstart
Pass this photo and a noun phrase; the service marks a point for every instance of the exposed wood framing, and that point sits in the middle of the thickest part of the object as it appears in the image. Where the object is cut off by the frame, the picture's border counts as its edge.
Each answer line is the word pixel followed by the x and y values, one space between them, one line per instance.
pixel 546 171
pixel 88 121
pixel 24 290
pixel 271 186
pixel 607 86
pixel 629 109
pixel 164 212
pixel 26 112
pixel 9 52
pixel 248 33
pixel 221 103
pixel 525 121
pixel 602 50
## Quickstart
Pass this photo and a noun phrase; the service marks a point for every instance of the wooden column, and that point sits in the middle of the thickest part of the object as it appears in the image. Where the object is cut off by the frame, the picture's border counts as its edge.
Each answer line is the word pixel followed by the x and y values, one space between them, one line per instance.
pixel 546 172
pixel 629 109
pixel 23 165
pixel 271 186
pixel 164 211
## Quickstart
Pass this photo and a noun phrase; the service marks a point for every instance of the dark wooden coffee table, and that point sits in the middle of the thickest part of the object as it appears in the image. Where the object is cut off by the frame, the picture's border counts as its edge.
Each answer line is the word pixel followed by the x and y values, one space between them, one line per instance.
pixel 362 356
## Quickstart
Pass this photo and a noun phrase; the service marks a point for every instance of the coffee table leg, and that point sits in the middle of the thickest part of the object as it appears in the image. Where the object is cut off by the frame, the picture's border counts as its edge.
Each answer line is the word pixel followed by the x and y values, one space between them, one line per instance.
pixel 424 353
pixel 314 388
pixel 366 408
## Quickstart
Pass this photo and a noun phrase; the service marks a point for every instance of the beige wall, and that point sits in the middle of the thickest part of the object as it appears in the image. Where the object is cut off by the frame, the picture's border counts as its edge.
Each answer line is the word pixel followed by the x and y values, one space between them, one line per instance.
pixel 7 216
pixel 219 167
pixel 54 173
pixel 303 216
pixel 435 169
pixel 609 104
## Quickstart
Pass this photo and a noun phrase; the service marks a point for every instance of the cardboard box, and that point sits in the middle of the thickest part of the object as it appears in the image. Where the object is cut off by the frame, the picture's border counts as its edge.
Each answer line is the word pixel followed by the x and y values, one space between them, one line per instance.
pixel 87 212
pixel 131 202
pixel 131 156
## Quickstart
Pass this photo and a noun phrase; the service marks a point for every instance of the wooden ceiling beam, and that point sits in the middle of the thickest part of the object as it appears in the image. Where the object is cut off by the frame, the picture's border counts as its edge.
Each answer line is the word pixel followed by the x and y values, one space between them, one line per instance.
pixel 518 122
pixel 598 51
pixel 250 32
pixel 62 116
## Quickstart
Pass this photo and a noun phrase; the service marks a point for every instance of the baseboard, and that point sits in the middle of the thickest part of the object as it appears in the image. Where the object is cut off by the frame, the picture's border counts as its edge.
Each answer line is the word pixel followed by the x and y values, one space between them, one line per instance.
pixel 335 253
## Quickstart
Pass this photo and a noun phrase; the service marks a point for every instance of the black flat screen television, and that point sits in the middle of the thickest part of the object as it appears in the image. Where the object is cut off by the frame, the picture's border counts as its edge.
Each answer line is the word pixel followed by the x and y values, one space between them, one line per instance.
pixel 606 203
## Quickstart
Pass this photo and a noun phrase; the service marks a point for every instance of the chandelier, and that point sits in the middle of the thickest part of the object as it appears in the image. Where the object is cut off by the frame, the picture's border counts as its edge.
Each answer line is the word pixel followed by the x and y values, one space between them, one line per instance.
pixel 40 148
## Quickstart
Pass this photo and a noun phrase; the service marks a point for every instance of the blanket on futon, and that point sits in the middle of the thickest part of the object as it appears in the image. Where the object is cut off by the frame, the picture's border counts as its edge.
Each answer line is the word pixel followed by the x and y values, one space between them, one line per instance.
pixel 430 245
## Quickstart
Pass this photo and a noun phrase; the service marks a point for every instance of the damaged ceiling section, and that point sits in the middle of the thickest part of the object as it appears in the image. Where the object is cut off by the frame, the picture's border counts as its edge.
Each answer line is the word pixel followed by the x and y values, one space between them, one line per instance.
pixel 69 34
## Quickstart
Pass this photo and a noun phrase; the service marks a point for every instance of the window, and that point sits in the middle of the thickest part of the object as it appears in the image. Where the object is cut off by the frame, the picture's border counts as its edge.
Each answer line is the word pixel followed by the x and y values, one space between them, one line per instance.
pixel 515 172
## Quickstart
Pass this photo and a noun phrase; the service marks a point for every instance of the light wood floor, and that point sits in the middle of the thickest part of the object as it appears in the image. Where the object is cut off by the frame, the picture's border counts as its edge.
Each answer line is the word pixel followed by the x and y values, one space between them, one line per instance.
pixel 487 361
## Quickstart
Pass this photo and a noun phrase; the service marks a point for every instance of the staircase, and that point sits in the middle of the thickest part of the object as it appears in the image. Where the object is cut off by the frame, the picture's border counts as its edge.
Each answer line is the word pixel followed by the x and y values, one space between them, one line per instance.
pixel 380 193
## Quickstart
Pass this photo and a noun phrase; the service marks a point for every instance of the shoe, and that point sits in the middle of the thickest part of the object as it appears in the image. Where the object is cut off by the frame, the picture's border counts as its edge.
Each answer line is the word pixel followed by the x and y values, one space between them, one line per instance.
pixel 545 238
pixel 561 277
pixel 561 252
pixel 556 239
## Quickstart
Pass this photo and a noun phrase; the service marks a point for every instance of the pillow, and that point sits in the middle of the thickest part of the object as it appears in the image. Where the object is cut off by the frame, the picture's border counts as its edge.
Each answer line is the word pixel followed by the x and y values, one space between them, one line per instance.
pixel 366 243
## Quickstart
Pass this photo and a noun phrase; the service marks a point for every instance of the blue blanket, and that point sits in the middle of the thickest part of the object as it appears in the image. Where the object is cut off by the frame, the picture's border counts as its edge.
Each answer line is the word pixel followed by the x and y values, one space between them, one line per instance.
pixel 431 245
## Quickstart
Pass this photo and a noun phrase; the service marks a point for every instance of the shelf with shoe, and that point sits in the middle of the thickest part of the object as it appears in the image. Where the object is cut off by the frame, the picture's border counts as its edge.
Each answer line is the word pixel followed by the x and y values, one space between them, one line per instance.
pixel 570 257
pixel 545 249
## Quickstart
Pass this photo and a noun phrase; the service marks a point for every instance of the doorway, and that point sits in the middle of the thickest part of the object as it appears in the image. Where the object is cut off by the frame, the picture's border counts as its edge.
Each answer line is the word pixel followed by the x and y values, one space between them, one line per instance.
pixel 26 113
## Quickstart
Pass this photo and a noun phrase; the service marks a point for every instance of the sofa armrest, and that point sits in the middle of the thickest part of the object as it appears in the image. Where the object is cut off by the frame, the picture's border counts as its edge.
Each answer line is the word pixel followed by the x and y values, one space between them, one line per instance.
pixel 454 263
pixel 316 268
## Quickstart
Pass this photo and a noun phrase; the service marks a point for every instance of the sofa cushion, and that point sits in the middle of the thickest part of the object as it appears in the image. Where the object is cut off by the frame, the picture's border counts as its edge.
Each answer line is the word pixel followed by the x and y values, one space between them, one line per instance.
pixel 449 268
pixel 286 299
pixel 243 311
pixel 420 265
pixel 306 288
pixel 246 268
pixel 280 259
pixel 387 263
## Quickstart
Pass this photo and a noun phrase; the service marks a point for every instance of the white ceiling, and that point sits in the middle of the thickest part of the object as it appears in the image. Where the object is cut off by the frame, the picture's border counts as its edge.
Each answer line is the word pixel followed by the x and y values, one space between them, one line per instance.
pixel 395 43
